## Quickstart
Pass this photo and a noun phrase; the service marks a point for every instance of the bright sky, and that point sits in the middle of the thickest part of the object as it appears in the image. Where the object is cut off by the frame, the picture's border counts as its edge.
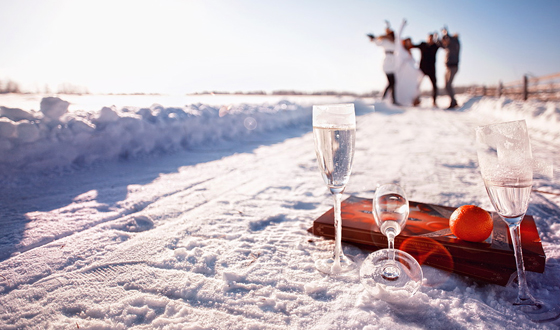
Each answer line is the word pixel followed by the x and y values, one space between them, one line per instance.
pixel 185 46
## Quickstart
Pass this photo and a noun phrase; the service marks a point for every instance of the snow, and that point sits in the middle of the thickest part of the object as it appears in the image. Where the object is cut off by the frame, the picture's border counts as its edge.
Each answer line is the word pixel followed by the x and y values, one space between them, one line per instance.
pixel 196 216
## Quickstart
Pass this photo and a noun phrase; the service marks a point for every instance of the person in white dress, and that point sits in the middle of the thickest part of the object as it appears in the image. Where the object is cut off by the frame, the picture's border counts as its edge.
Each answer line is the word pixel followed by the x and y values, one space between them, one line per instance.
pixel 408 76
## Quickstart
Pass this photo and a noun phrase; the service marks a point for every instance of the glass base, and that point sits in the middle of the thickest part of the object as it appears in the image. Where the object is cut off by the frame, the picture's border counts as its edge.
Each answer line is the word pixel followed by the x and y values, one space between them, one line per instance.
pixel 380 275
pixel 328 266
pixel 537 311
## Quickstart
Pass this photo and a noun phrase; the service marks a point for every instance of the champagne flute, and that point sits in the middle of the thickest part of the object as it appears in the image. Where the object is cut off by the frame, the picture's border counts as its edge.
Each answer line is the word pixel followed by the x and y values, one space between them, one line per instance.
pixel 391 270
pixel 506 165
pixel 334 132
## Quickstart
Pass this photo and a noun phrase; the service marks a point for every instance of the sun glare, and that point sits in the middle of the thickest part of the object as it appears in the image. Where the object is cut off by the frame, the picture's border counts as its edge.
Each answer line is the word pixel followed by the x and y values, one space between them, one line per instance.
pixel 114 46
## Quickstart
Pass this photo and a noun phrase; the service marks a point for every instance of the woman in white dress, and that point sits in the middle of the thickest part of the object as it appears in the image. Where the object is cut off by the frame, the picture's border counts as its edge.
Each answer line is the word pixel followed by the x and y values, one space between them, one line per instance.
pixel 407 74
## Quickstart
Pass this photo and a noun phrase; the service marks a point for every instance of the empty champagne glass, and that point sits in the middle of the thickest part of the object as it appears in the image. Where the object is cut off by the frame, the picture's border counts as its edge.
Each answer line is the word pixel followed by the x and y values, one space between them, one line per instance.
pixel 391 270
pixel 334 131
pixel 506 165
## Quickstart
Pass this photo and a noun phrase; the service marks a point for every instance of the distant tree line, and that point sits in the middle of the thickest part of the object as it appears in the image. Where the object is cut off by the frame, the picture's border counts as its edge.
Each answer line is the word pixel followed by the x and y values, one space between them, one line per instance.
pixel 10 86
pixel 67 88
pixel 289 92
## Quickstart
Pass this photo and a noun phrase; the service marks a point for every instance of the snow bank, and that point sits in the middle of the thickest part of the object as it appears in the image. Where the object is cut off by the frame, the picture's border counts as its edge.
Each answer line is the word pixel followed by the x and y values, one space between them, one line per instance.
pixel 543 118
pixel 54 139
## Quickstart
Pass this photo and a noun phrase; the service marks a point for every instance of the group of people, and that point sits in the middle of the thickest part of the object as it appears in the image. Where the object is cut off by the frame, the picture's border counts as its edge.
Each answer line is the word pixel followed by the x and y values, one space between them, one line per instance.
pixel 400 67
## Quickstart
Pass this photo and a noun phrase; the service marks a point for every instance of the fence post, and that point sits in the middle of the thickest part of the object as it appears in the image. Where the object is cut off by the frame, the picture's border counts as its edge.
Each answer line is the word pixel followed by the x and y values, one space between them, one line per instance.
pixel 525 88
pixel 500 87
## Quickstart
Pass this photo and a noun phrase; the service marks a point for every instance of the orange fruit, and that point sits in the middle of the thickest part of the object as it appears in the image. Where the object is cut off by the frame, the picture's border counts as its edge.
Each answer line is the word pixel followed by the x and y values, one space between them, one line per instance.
pixel 471 223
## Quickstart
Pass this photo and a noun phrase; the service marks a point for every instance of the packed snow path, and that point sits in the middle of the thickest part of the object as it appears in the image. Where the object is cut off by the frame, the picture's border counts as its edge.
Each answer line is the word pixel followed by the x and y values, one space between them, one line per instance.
pixel 216 238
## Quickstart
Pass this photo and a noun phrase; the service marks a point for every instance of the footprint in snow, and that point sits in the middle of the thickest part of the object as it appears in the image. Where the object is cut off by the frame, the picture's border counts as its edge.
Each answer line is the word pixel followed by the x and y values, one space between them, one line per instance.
pixel 135 224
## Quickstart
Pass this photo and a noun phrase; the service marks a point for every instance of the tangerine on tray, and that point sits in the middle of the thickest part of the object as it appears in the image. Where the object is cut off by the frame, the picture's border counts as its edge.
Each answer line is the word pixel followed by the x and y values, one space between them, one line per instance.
pixel 471 223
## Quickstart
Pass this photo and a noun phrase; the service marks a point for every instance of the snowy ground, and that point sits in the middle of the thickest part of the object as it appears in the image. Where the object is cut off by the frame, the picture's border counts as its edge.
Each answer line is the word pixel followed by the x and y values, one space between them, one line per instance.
pixel 210 232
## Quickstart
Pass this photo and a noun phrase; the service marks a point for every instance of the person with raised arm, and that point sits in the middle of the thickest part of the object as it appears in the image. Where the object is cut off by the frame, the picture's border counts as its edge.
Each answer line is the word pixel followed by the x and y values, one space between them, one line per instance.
pixel 387 42
pixel 452 48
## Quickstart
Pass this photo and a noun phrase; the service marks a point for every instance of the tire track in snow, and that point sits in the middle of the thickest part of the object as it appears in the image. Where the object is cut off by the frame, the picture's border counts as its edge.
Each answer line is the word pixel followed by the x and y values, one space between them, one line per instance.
pixel 125 211
pixel 130 217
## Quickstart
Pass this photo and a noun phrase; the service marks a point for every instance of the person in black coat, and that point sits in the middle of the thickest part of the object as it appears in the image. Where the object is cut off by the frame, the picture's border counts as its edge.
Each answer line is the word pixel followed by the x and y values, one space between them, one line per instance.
pixel 428 51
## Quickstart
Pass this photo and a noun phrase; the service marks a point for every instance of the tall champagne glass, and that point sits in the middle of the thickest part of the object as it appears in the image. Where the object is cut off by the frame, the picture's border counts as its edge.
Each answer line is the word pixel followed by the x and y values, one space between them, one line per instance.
pixel 506 165
pixel 334 131
pixel 391 270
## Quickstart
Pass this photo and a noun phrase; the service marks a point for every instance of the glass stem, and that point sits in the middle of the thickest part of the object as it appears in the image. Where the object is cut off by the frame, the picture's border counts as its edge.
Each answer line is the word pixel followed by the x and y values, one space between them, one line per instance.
pixel 391 241
pixel 337 229
pixel 523 294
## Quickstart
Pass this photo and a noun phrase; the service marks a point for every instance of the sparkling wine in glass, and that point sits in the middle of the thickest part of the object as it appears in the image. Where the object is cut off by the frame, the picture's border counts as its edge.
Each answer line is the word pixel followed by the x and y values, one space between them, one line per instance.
pixel 506 165
pixel 391 270
pixel 334 132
